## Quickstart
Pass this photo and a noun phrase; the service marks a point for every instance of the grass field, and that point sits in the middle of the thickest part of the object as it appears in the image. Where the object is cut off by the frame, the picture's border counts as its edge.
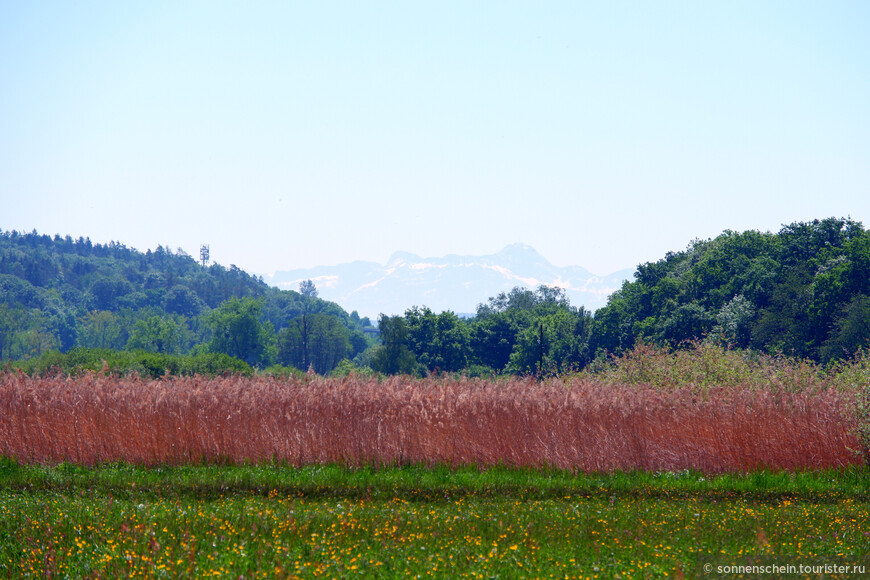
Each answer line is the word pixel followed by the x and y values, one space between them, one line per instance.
pixel 334 522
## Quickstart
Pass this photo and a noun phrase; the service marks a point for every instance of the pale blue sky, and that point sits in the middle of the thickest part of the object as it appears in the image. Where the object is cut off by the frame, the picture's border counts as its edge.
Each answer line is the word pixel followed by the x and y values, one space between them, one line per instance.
pixel 295 134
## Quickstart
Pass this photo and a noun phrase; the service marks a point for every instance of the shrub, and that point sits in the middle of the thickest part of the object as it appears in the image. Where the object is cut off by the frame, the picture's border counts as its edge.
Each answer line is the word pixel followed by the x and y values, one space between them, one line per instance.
pixel 346 368
pixel 281 371
pixel 703 366
pixel 145 364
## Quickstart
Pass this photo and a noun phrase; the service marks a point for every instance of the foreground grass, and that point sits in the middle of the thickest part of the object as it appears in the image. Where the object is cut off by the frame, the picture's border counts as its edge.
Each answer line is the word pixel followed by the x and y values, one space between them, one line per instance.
pixel 274 521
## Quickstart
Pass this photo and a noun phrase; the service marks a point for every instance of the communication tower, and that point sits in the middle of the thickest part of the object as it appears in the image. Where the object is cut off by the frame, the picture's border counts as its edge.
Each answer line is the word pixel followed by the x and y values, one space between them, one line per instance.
pixel 203 255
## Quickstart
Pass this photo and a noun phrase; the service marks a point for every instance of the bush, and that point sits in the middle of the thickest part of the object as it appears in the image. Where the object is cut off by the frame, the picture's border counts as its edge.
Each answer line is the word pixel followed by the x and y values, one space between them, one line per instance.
pixel 479 372
pixel 214 363
pixel 145 364
pixel 281 371
pixel 703 366
pixel 346 368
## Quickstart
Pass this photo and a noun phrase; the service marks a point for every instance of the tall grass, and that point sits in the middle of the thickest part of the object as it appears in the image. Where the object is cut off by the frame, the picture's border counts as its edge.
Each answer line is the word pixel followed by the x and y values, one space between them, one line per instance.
pixel 577 423
pixel 702 365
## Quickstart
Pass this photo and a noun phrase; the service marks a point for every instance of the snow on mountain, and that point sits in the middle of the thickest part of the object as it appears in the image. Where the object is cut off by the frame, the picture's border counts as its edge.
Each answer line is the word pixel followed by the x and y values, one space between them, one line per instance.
pixel 452 282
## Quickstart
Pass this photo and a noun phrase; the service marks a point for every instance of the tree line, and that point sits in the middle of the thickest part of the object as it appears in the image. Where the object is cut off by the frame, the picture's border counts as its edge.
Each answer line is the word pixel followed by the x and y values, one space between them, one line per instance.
pixel 519 332
pixel 58 295
pixel 803 291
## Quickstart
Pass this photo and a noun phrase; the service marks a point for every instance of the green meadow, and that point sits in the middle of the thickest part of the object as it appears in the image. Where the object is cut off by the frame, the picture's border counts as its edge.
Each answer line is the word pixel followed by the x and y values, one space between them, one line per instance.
pixel 403 522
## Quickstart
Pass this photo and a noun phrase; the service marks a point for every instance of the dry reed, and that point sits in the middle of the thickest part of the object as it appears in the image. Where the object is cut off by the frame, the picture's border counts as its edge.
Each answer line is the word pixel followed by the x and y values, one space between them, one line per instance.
pixel 575 424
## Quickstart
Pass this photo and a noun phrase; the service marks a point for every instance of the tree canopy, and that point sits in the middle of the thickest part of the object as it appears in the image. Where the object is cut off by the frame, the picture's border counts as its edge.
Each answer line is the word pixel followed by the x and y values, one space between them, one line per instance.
pixel 57 293
pixel 803 291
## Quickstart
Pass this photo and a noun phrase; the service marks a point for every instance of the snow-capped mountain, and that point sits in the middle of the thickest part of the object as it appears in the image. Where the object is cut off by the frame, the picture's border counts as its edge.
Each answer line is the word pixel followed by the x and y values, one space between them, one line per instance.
pixel 457 283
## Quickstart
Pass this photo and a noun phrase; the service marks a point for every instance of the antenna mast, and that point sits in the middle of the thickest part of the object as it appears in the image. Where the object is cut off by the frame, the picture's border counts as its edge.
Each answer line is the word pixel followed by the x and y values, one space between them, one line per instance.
pixel 203 255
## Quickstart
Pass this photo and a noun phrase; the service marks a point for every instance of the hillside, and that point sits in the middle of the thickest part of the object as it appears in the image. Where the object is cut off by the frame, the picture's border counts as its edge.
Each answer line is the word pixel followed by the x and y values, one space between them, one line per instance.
pixel 803 291
pixel 59 293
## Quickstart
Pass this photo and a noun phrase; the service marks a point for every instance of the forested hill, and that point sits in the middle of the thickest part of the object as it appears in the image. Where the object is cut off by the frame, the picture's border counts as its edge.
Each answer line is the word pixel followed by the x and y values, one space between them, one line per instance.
pixel 804 291
pixel 58 293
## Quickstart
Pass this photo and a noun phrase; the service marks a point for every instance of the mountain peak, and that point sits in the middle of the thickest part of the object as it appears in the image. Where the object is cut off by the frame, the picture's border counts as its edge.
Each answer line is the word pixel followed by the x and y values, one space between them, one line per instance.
pixel 402 257
pixel 452 282
pixel 522 255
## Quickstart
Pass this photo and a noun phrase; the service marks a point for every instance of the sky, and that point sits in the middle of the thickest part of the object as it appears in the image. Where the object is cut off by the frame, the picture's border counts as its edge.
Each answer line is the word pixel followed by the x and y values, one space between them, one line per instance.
pixel 295 134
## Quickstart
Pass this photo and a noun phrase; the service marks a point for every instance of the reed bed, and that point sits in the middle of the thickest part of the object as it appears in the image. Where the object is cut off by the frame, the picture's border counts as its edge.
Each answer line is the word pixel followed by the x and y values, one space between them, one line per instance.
pixel 576 423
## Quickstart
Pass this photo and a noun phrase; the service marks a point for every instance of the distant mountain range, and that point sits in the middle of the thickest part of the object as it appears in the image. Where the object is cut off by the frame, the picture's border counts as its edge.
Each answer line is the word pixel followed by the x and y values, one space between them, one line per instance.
pixel 457 283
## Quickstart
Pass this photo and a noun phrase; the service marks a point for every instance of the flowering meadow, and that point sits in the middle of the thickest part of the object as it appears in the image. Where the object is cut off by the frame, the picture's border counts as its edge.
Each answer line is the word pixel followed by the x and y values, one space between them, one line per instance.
pixel 115 521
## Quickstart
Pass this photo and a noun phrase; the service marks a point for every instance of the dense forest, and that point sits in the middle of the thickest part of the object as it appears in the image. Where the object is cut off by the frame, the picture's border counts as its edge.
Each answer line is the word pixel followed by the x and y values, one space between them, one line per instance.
pixel 60 294
pixel 803 292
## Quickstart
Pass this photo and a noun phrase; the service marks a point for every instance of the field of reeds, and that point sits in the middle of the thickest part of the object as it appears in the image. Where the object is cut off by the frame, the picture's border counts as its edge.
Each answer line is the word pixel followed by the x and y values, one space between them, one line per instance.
pixel 644 413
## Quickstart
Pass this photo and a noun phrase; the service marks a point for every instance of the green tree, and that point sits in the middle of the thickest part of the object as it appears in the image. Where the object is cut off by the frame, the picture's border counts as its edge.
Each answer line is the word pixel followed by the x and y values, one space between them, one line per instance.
pixel 105 292
pixel 317 341
pixel 159 334
pixel 686 322
pixel 393 356
pixel 626 316
pixel 238 331
pixel 183 301
pixel 11 320
pixel 495 331
pixel 438 341
pixel 734 322
pixel 556 343
pixel 851 330
pixel 292 348
pixel 308 289
pixel 492 337
pixel 102 329
pixel 329 343
pixel 33 342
